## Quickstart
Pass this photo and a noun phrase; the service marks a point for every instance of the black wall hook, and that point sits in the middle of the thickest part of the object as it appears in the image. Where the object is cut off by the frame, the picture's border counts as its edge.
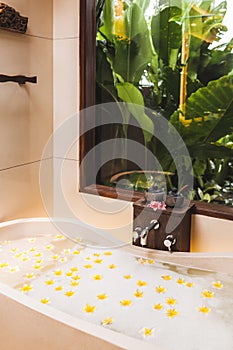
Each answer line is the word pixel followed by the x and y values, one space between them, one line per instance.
pixel 20 79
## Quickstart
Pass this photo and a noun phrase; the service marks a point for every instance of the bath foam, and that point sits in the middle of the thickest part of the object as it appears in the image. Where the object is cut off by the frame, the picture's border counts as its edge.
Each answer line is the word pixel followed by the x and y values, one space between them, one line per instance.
pixel 167 305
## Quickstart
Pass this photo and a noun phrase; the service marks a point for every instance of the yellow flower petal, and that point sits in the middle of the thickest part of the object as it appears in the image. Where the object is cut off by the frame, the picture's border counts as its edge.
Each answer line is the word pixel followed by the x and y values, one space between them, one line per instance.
pixel 172 313
pixel 97 277
pixel 138 294
pixel 55 256
pixel 107 321
pixel 74 283
pixel 4 264
pixel 26 288
pixel 204 309
pixel 69 273
pixel 189 284
pixel 69 293
pixel 88 266
pixel 171 301
pixel 58 288
pixel 112 266
pixel 151 261
pixel 98 261
pixel 141 283
pixel 49 282
pixel 58 272
pixel 160 289
pixel 102 296
pixel 108 253
pixel 96 254
pixel 127 277
pixel 126 302
pixel 207 294
pixel 30 275
pixel 89 308
pixel 60 236
pixel 45 300
pixel 49 247
pixel 74 269
pixel 63 260
pixel 217 284
pixel 76 277
pixel 166 277
pixel 158 306
pixel 180 281
pixel 147 332
pixel 37 267
pixel 76 252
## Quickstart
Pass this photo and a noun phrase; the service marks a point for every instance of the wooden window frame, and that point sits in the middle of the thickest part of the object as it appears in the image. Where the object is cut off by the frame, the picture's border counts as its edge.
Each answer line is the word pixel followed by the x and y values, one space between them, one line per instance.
pixel 87 99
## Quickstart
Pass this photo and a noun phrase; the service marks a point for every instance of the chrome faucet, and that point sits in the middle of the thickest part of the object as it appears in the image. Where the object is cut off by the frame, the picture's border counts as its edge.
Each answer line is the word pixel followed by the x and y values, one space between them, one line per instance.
pixel 141 233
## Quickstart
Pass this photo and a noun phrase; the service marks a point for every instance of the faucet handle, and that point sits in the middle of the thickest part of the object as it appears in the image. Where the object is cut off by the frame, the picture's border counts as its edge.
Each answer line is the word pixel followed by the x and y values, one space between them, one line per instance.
pixel 169 241
pixel 136 233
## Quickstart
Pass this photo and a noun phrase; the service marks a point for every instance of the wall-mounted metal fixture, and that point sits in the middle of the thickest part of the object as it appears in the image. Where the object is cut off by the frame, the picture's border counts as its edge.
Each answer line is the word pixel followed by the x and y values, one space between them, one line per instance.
pixel 11 19
pixel 20 79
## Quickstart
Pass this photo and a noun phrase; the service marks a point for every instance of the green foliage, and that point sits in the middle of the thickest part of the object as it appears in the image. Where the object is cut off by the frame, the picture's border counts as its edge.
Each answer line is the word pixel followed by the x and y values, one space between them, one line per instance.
pixel 139 61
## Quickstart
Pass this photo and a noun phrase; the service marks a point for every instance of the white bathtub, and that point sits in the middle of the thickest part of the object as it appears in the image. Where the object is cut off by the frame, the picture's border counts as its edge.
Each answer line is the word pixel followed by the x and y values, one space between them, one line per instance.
pixel 27 323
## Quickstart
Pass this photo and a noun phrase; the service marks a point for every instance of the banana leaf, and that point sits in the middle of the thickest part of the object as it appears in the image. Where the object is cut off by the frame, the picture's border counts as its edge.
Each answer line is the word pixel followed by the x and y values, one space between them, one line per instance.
pixel 209 111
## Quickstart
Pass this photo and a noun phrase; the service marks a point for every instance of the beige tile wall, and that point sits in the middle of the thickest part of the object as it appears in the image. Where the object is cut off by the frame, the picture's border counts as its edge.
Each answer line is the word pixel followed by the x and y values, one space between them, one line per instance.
pixel 26 111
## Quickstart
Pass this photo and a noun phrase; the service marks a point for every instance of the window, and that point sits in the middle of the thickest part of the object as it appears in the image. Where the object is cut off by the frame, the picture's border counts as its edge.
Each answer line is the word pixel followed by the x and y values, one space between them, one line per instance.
pixel 175 60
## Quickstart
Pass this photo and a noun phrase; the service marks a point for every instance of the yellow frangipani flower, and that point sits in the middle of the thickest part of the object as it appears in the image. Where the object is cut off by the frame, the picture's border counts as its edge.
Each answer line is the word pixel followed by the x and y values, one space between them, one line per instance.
pixel 37 267
pixel 74 269
pixel 55 256
pixel 49 282
pixel 217 284
pixel 14 269
pixel 160 289
pixel 88 258
pixel 45 300
pixel 107 321
pixel 112 266
pixel 49 247
pixel 60 236
pixel 32 249
pixel 96 254
pixel 171 301
pixel 88 266
pixel 147 332
pixel 26 288
pixel 166 277
pixel 126 302
pixel 74 283
pixel 30 275
pixel 172 313
pixel 17 256
pixel 38 255
pixel 4 264
pixel 98 261
pixel 14 250
pixel 76 252
pixel 151 261
pixel 141 283
pixel 142 261
pixel 25 258
pixel 207 294
pixel 127 277
pixel 58 272
pixel 204 309
pixel 108 253
pixel 69 293
pixel 189 284
pixel 97 277
pixel 66 251
pixel 63 260
pixel 158 306
pixel 76 277
pixel 89 309
pixel 39 261
pixel 69 273
pixel 180 281
pixel 138 294
pixel 32 240
pixel 102 296
pixel 58 288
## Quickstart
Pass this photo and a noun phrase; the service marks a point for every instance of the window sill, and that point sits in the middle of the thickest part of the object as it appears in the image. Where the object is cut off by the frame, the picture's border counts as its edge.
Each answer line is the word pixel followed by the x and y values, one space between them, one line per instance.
pixel 201 208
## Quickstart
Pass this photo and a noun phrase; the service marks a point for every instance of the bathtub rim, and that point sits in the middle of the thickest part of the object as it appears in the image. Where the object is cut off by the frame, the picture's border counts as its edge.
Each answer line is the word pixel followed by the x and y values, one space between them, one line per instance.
pixel 182 259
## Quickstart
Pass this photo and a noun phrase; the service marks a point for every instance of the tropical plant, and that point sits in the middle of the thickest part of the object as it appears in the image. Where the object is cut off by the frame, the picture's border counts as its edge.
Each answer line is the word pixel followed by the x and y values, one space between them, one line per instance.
pixel 165 60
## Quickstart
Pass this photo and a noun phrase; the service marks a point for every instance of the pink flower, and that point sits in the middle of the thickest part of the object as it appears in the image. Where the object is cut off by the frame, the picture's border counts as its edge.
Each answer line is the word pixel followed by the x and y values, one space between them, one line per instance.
pixel 157 205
